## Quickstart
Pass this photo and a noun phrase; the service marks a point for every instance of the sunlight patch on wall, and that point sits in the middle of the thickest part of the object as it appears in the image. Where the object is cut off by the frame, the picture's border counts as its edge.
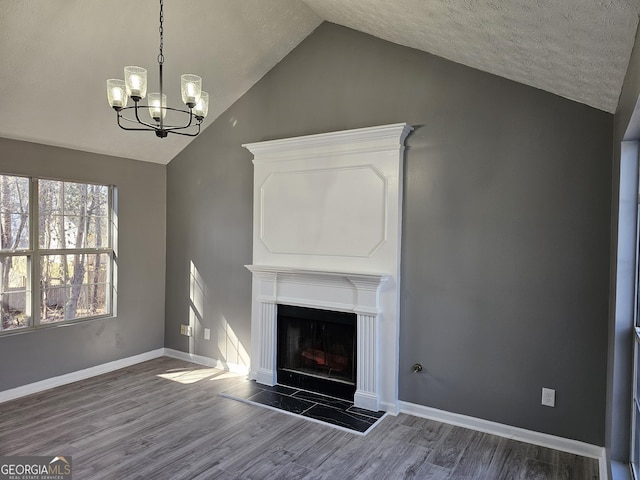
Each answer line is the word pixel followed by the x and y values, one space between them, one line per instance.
pixel 230 346
pixel 230 351
pixel 196 304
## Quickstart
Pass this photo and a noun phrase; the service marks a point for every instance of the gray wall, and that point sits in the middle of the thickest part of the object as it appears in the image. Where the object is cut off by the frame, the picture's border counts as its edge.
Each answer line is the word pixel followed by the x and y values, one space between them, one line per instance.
pixel 32 356
pixel 506 225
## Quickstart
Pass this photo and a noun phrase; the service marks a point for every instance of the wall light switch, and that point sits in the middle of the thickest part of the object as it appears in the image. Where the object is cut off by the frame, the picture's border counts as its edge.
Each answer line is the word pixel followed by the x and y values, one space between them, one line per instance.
pixel 548 397
pixel 207 334
pixel 185 330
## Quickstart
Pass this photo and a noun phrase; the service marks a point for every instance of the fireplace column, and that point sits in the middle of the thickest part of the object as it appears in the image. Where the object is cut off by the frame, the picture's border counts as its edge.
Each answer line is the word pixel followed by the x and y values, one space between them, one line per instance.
pixel 367 394
pixel 267 368
pixel 266 297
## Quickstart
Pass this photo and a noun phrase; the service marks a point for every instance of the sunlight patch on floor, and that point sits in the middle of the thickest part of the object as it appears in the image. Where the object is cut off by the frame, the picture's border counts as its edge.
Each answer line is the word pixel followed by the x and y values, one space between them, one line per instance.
pixel 187 376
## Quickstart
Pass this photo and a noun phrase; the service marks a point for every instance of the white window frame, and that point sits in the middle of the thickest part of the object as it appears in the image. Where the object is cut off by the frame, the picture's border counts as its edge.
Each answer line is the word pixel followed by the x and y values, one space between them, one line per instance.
pixel 34 254
pixel 635 389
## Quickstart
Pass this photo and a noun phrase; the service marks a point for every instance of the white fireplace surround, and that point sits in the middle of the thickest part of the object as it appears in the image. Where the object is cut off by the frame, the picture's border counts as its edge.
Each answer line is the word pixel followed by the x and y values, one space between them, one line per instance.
pixel 357 293
pixel 326 234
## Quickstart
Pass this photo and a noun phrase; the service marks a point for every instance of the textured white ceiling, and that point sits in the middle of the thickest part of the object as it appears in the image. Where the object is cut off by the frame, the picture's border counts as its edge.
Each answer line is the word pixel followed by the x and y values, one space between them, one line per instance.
pixel 55 55
pixel 578 49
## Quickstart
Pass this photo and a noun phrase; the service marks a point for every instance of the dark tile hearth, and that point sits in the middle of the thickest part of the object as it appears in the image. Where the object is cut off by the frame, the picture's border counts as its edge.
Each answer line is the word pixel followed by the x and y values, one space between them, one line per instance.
pixel 332 411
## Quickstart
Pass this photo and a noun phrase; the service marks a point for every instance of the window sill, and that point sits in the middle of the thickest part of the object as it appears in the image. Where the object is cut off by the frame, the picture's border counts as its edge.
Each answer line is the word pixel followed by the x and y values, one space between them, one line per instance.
pixel 47 326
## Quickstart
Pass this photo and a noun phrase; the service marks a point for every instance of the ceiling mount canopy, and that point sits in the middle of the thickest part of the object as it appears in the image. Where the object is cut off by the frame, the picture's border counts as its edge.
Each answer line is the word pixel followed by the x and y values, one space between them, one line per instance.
pixel 134 87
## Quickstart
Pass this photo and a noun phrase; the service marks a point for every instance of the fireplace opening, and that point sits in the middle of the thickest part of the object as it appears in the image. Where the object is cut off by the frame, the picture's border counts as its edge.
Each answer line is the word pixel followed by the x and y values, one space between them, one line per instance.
pixel 316 350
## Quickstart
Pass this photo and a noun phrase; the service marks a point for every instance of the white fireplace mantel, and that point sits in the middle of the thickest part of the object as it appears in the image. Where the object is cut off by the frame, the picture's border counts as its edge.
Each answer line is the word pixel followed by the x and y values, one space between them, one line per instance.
pixel 327 218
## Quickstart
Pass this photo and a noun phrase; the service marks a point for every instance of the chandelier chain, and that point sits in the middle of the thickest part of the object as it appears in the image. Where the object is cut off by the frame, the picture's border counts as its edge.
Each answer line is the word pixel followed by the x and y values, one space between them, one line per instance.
pixel 161 29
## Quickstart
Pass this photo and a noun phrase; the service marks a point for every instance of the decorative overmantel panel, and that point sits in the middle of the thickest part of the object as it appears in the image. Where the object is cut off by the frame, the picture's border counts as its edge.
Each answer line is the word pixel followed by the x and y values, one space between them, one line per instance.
pixel 327 221
pixel 292 202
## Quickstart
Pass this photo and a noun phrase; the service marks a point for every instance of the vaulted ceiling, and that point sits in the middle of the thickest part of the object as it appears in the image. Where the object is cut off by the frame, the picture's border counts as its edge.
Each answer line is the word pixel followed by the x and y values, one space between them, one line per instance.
pixel 56 55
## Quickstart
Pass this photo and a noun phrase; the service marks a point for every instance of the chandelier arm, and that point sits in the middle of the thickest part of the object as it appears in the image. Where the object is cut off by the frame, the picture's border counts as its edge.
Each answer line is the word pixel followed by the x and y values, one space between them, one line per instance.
pixel 149 129
pixel 137 129
pixel 185 133
pixel 185 126
pixel 166 130
pixel 144 123
pixel 157 127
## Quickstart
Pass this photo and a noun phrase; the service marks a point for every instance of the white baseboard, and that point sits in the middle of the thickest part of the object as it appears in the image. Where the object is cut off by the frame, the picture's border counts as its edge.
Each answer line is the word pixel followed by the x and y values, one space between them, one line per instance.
pixel 58 381
pixel 206 361
pixel 515 433
pixel 392 408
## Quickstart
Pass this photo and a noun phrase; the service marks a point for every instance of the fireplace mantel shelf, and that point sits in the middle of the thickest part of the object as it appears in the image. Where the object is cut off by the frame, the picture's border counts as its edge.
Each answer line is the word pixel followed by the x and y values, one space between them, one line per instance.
pixel 376 278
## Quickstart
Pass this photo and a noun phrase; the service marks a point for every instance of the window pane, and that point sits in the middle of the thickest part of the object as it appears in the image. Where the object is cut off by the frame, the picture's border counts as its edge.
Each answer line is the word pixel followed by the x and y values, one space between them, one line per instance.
pixel 98 200
pixel 75 198
pixel 50 214
pixel 74 231
pixel 14 212
pixel 73 215
pixel 15 292
pixel 98 235
pixel 74 286
pixel 97 302
pixel 53 301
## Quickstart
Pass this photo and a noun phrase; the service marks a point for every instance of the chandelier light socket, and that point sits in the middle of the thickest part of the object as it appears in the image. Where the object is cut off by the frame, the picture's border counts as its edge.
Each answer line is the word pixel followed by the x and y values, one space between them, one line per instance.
pixel 191 88
pixel 136 81
pixel 156 108
pixel 116 94
pixel 202 107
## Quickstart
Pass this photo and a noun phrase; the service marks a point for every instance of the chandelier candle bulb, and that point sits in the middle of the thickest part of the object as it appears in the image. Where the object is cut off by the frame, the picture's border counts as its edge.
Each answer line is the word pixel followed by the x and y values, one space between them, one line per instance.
pixel 202 107
pixel 191 93
pixel 135 86
pixel 156 108
pixel 191 89
pixel 136 80
pixel 116 94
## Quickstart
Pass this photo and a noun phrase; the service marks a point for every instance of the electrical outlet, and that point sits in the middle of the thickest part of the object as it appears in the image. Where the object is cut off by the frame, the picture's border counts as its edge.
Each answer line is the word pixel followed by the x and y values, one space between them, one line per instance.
pixel 548 397
pixel 185 330
pixel 207 334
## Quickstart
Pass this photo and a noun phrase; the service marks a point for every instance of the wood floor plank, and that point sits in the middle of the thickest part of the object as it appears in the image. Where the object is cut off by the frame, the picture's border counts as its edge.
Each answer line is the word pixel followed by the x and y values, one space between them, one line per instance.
pixel 399 460
pixel 427 433
pixel 537 470
pixel 449 449
pixel 476 459
pixel 571 467
pixel 509 461
pixel 164 419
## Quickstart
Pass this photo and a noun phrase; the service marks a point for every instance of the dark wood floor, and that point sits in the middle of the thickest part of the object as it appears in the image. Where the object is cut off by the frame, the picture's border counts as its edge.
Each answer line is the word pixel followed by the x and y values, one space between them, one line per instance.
pixel 163 419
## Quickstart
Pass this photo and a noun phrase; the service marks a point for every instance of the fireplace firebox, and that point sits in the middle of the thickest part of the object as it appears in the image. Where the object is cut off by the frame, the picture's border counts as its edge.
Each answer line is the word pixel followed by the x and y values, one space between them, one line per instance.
pixel 316 350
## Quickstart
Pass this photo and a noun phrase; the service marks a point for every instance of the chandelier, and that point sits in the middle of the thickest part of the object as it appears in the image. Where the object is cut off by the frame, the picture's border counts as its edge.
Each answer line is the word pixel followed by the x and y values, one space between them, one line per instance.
pixel 134 87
